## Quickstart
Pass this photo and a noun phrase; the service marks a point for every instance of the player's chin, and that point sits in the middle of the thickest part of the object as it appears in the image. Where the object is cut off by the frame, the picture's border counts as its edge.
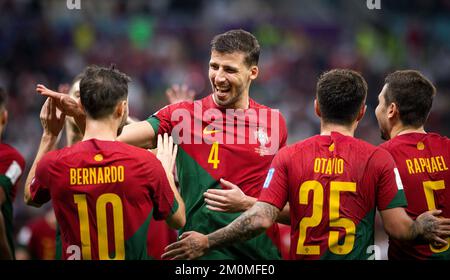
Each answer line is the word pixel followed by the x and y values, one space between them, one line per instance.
pixel 223 98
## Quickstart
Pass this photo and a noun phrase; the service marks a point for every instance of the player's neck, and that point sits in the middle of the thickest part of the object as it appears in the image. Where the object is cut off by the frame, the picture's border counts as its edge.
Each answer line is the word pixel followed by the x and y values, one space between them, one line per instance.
pixel 327 128
pixel 105 129
pixel 400 130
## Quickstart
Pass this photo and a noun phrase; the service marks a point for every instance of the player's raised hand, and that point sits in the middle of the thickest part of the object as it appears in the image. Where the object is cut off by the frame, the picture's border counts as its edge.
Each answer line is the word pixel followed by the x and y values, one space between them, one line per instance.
pixel 52 119
pixel 190 246
pixel 64 102
pixel 231 199
pixel 433 228
pixel 166 152
pixel 177 93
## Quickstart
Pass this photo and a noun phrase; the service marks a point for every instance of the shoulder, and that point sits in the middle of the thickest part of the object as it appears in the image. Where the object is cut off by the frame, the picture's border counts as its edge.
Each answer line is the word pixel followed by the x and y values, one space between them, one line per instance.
pixel 11 152
pixel 139 154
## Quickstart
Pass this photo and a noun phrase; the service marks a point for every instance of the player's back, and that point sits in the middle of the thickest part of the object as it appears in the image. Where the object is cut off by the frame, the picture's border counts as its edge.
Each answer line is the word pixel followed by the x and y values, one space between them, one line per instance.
pixel 104 194
pixel 335 184
pixel 423 161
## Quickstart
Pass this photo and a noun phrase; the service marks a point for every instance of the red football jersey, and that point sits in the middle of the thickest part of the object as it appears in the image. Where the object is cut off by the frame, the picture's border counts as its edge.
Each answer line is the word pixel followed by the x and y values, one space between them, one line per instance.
pixel 160 235
pixel 12 166
pixel 333 184
pixel 423 162
pixel 104 194
pixel 38 237
pixel 214 143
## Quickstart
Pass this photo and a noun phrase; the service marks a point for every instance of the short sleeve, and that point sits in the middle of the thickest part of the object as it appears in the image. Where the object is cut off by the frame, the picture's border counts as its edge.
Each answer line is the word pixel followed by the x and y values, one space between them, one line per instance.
pixel 161 120
pixel 11 169
pixel 39 190
pixel 390 192
pixel 163 198
pixel 275 188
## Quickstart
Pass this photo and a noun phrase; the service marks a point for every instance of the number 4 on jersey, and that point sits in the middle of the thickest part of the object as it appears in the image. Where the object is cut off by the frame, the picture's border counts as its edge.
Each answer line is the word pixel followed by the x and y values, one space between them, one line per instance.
pixel 214 155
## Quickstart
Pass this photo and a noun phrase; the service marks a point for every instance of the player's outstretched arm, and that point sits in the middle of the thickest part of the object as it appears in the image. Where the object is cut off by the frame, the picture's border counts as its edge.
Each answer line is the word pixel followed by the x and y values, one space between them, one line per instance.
pixel 427 226
pixel 139 134
pixel 167 154
pixel 52 121
pixel 232 199
pixel 5 251
pixel 250 224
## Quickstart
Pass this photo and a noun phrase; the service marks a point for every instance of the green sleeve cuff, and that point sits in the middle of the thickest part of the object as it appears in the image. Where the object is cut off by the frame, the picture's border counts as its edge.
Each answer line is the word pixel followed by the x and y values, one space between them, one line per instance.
pixel 174 206
pixel 6 184
pixel 399 200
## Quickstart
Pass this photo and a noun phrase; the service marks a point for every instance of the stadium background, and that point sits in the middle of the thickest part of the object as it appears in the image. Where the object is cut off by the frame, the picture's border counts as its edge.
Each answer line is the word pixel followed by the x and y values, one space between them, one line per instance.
pixel 162 42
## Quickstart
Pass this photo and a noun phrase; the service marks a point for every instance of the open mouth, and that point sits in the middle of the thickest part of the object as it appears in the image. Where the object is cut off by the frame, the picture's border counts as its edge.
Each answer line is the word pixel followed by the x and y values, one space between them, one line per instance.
pixel 222 92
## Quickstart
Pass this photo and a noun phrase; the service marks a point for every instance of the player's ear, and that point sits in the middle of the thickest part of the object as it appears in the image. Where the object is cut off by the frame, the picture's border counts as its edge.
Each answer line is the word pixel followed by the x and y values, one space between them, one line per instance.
pixel 121 108
pixel 317 109
pixel 393 110
pixel 4 117
pixel 361 113
pixel 254 71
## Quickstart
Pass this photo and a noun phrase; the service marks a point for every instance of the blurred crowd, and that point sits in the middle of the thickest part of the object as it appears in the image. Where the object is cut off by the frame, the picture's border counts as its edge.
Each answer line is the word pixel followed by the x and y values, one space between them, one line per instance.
pixel 164 42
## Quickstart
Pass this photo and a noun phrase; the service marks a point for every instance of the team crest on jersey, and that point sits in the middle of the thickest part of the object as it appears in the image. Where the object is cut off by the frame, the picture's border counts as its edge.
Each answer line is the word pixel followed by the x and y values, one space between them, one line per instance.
pixel 420 146
pixel 263 139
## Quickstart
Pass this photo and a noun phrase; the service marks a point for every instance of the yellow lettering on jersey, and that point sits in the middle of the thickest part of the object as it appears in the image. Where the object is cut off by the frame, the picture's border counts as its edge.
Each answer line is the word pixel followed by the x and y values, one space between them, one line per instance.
pixel 96 175
pixel 324 160
pixel 329 163
pixel 85 176
pixel 107 177
pixel 120 173
pixel 409 164
pixel 100 176
pixel 329 166
pixel 443 163
pixel 79 176
pixel 422 165
pixel 316 165
pixel 434 167
pixel 428 165
pixel 92 176
pixel 73 176
pixel 416 166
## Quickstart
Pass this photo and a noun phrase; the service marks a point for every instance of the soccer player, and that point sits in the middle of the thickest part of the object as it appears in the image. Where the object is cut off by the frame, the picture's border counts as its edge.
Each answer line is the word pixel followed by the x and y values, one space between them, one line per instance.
pixel 333 183
pixel 104 192
pixel 225 137
pixel 36 240
pixel 422 158
pixel 12 165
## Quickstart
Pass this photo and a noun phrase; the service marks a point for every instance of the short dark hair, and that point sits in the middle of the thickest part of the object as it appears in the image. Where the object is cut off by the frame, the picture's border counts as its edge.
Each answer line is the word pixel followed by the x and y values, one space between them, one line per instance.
pixel 340 94
pixel 413 94
pixel 101 89
pixel 238 41
pixel 3 99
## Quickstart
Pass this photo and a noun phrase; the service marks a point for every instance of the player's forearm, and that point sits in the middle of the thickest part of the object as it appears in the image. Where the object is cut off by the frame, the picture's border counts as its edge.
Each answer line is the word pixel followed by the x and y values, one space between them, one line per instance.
pixel 250 224
pixel 5 251
pixel 48 142
pixel 139 134
pixel 285 216
pixel 178 220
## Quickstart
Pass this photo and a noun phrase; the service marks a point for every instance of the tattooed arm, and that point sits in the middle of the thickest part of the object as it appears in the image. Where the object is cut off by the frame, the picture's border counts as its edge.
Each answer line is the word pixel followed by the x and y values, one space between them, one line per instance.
pixel 250 224
pixel 427 226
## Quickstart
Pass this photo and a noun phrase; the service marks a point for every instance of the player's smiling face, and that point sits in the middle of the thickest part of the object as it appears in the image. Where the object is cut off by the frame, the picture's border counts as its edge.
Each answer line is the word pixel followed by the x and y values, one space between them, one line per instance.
pixel 230 79
pixel 382 115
